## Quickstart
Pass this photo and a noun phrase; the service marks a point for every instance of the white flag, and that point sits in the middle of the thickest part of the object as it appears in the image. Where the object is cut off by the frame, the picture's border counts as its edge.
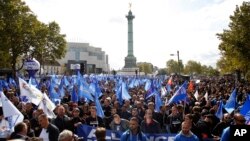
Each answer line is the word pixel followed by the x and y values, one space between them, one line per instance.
pixel 206 96
pixel 196 95
pixel 163 91
pixel 10 111
pixel 33 94
pixel 47 106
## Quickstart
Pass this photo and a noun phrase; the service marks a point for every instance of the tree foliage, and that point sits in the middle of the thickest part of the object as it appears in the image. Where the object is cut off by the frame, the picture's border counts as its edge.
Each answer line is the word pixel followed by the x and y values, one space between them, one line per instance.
pixel 145 67
pixel 193 67
pixel 235 41
pixel 22 34
pixel 174 67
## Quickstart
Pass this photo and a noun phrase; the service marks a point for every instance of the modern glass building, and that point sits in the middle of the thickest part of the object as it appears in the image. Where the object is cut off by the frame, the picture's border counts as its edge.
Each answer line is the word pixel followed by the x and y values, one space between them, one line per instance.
pixel 91 59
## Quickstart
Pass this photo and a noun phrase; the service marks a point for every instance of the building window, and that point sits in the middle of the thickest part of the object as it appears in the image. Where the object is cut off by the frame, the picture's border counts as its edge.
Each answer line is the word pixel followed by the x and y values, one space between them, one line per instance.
pixel 77 55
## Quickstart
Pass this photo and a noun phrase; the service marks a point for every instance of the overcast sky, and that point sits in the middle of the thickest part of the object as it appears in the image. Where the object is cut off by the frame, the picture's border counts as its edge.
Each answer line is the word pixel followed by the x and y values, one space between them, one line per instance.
pixel 161 27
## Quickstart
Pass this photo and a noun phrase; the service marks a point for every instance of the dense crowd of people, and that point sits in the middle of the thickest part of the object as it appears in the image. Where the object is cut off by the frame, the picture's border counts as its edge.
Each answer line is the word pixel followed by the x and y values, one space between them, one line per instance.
pixel 194 119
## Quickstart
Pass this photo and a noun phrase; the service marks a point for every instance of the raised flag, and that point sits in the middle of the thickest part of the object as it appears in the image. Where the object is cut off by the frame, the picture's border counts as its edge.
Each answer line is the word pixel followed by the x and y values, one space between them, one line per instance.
pixel 119 94
pixel 191 86
pixel 196 95
pixel 84 92
pixel 170 81
pixel 47 106
pixel 246 106
pixel 158 102
pixel 147 85
pixel 231 102
pixel 33 94
pixel 99 110
pixel 206 96
pixel 125 94
pixel 10 111
pixel 163 91
pixel 74 96
pixel 179 95
pixel 219 112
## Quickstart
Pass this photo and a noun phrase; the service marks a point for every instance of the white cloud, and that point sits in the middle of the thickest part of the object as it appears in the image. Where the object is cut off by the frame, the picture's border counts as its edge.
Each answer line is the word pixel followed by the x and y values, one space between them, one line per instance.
pixel 160 27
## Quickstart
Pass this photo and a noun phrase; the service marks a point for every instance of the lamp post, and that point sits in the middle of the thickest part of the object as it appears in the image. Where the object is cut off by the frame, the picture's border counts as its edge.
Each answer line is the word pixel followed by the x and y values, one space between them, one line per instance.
pixel 178 62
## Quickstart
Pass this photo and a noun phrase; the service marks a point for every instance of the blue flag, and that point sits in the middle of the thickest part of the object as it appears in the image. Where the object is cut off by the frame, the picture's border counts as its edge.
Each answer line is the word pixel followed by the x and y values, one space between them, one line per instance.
pixel 125 94
pixel 150 92
pixel 158 102
pixel 246 106
pixel 74 96
pixel 85 92
pixel 99 110
pixel 219 113
pixel 119 94
pixel 147 85
pixel 231 102
pixel 179 95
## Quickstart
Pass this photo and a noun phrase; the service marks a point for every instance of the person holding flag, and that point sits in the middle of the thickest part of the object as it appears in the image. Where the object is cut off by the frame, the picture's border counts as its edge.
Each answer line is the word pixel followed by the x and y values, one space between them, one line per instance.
pixel 93 119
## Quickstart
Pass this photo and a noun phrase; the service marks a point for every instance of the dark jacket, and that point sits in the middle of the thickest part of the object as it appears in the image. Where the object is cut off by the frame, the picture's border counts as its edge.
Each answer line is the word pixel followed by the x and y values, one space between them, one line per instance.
pixel 153 127
pixel 61 123
pixel 53 132
pixel 18 136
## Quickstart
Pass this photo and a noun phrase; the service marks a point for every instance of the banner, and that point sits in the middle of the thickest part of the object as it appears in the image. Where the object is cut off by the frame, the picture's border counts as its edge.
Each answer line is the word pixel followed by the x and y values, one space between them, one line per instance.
pixel 31 66
pixel 88 134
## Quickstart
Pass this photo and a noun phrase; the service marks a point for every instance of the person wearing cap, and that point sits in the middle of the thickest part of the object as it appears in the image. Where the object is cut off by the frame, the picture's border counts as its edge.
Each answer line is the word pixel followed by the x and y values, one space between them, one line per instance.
pixel 238 120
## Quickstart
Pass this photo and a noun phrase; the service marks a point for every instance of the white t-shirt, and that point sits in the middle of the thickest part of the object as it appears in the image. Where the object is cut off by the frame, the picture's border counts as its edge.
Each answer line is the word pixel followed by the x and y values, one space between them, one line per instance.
pixel 44 135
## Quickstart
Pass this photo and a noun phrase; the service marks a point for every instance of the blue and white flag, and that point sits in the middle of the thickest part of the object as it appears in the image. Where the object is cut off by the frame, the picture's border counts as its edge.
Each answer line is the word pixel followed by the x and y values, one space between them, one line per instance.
pixel 47 106
pixel 179 95
pixel 246 107
pixel 125 94
pixel 99 110
pixel 231 102
pixel 219 113
pixel 32 93
pixel 158 102
pixel 10 111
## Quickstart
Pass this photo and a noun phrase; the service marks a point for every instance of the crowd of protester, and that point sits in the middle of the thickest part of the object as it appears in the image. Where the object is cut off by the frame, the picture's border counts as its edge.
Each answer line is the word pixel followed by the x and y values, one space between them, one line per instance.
pixel 194 119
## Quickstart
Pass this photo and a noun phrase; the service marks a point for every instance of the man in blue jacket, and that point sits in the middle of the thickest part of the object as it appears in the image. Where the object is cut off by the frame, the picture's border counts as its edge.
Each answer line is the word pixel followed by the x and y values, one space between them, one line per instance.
pixel 134 133
pixel 185 134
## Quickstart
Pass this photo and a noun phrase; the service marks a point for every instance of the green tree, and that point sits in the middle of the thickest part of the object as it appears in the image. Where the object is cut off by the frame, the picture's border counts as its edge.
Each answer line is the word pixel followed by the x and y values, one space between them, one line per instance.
pixel 162 71
pixel 22 34
pixel 193 67
pixel 173 66
pixel 209 71
pixel 16 31
pixel 145 67
pixel 51 45
pixel 235 43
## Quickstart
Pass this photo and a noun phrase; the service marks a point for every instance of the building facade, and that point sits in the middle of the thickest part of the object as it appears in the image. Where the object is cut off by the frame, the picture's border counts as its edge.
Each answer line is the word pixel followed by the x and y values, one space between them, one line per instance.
pixel 91 59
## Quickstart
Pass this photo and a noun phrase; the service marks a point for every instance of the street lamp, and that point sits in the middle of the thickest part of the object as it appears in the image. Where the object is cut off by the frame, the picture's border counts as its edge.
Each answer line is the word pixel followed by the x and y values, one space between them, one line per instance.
pixel 178 61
